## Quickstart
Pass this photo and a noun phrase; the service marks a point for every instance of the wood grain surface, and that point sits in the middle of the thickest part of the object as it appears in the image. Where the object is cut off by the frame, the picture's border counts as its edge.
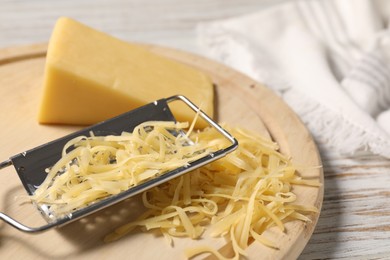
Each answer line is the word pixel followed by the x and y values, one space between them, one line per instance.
pixel 240 101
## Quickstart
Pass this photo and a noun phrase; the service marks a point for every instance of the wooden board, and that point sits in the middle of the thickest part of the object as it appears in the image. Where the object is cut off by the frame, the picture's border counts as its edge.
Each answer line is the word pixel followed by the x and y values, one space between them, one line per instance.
pixel 240 101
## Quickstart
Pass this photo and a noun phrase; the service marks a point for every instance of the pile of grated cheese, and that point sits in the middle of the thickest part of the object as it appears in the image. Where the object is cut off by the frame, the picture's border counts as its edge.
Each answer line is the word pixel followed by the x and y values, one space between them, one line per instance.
pixel 239 197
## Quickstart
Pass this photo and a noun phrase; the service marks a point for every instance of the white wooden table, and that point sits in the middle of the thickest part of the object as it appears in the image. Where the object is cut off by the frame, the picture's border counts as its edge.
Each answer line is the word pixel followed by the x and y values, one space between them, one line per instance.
pixel 355 219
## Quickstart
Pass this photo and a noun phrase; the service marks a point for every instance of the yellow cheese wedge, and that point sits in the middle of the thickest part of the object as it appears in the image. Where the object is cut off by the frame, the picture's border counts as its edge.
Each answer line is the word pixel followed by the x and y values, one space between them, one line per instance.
pixel 91 76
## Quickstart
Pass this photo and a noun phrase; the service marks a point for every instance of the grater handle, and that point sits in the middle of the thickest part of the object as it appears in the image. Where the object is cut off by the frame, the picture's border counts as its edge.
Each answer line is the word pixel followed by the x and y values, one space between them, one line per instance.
pixel 16 224
pixel 5 164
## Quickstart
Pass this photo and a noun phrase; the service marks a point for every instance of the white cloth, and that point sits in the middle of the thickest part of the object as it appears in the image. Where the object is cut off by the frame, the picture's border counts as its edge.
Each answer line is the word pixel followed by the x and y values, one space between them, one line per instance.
pixel 328 59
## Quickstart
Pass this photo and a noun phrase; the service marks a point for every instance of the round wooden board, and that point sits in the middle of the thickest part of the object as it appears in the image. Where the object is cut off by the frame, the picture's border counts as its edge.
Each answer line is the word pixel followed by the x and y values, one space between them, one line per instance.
pixel 240 101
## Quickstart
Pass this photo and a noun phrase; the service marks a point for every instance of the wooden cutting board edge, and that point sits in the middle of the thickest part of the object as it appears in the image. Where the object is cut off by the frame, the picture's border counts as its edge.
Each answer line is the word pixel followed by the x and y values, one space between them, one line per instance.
pixel 276 116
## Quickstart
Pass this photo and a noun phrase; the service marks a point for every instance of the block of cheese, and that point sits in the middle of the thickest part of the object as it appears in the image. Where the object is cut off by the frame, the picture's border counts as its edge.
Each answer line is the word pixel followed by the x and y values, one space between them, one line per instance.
pixel 91 76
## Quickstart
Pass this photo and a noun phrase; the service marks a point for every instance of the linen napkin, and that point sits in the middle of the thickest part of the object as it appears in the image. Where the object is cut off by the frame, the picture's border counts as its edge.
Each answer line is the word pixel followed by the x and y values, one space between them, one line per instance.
pixel 328 59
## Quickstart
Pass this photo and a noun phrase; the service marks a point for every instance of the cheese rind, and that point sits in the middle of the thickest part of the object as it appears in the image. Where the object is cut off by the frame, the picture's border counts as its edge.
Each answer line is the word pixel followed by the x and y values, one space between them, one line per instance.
pixel 91 76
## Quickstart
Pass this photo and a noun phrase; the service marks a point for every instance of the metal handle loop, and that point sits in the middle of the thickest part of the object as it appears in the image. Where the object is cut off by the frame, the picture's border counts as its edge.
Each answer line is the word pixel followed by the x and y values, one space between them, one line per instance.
pixel 16 224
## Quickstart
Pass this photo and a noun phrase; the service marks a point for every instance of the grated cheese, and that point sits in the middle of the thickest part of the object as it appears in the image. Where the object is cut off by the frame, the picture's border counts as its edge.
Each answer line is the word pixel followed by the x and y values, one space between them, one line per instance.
pixel 95 167
pixel 239 196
